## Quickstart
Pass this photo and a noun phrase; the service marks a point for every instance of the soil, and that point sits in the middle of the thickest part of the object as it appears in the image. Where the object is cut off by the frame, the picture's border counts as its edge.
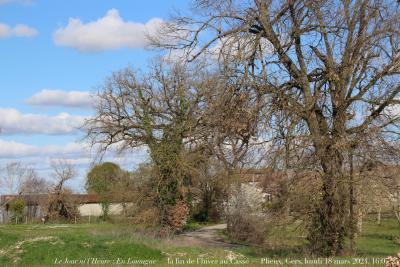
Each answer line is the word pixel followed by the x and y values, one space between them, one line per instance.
pixel 204 237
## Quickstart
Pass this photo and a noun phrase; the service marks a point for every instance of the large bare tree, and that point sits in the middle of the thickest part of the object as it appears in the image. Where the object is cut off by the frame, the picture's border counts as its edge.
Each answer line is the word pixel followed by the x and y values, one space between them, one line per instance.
pixel 159 111
pixel 333 65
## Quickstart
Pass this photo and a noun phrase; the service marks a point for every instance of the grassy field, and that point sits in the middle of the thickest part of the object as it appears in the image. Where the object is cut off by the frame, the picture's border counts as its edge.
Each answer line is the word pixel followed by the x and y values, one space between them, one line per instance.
pixel 124 245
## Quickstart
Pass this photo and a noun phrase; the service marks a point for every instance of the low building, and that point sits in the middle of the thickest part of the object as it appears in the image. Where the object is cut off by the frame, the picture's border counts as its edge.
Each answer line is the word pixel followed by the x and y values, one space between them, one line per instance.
pixel 88 205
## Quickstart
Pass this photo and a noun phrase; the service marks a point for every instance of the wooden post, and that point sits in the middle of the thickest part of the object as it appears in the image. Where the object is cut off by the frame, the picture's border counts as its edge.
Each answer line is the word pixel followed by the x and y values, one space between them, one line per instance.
pixel 379 215
pixel 89 218
pixel 360 220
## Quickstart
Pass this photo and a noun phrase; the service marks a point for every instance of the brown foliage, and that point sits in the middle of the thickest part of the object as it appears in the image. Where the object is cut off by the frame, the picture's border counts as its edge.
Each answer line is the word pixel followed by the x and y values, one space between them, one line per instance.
pixel 393 261
pixel 247 229
pixel 61 205
pixel 177 216
pixel 147 217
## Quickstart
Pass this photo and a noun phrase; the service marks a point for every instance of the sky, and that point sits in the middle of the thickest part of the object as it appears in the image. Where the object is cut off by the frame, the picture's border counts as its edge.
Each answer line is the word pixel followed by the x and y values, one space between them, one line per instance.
pixel 53 56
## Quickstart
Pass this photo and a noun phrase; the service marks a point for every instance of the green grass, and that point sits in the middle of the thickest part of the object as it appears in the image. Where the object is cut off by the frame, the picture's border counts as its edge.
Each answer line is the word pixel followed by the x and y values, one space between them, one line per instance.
pixel 288 242
pixel 379 240
pixel 43 245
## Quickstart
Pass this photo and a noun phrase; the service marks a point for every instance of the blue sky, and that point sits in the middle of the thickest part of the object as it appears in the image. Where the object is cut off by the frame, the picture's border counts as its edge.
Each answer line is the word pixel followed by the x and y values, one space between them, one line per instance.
pixel 53 55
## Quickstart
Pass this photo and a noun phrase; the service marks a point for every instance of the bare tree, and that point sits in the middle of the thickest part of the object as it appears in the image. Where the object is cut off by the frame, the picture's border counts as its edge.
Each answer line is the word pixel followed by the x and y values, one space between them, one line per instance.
pixel 60 203
pixel 63 171
pixel 333 65
pixel 13 177
pixel 158 110
pixel 33 184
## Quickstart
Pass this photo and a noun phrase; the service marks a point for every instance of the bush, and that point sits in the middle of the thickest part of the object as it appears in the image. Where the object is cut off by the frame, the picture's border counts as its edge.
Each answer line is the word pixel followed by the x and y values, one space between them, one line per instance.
pixel 245 216
pixel 178 216
pixel 249 229
pixel 147 217
pixel 17 208
pixel 62 207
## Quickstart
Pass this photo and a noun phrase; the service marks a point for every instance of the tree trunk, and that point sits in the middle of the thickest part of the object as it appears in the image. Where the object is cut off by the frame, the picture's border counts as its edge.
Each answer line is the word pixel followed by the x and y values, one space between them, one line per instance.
pixel 352 203
pixel 327 230
pixel 171 193
pixel 397 209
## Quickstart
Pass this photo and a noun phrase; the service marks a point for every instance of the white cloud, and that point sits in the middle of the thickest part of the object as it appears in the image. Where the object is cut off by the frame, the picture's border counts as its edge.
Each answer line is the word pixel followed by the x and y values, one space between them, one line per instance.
pixel 396 107
pixel 20 30
pixel 14 122
pixel 107 33
pixel 235 48
pixel 393 110
pixel 68 149
pixel 5 31
pixel 397 110
pixel 46 97
pixel 13 149
pixel 74 152
pixel 224 49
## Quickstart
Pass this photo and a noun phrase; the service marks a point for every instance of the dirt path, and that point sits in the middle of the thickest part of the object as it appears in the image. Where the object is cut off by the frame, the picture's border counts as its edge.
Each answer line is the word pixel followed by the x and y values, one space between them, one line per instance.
pixel 204 237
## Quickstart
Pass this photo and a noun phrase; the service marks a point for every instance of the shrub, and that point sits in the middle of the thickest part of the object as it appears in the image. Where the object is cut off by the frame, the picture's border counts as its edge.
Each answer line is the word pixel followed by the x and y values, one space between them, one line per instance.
pixel 178 216
pixel 147 217
pixel 245 216
pixel 17 208
pixel 62 206
pixel 105 209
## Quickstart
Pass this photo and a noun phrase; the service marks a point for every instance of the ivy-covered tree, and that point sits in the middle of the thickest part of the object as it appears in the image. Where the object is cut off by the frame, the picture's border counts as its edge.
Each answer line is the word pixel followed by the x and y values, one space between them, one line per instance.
pixel 158 110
